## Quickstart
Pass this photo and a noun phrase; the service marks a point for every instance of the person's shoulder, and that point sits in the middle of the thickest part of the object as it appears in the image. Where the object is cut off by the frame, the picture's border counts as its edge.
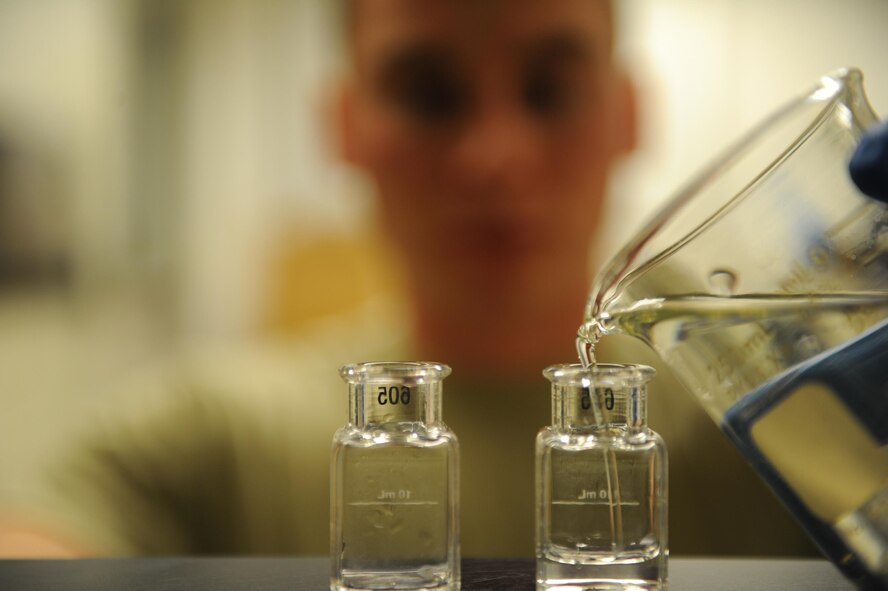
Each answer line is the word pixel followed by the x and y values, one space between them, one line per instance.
pixel 232 423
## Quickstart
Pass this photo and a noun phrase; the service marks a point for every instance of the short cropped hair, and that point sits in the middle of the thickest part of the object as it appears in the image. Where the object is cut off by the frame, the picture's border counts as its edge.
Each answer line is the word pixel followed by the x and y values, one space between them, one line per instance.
pixel 346 14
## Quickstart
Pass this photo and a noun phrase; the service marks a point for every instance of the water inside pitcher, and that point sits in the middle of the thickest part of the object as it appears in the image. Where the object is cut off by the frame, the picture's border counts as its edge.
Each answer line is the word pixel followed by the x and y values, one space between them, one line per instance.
pixel 764 286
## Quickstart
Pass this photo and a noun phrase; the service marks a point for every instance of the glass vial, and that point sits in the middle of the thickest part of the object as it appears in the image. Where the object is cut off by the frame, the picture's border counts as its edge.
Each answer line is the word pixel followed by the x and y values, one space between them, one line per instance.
pixel 601 483
pixel 394 482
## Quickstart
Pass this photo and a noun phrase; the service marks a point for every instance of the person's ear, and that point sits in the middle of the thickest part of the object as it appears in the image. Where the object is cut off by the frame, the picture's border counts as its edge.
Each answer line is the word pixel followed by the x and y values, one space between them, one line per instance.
pixel 624 119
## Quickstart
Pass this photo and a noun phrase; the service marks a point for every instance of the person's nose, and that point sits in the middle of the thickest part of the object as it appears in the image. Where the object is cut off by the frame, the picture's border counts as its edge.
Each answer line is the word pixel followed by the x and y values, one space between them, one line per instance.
pixel 496 146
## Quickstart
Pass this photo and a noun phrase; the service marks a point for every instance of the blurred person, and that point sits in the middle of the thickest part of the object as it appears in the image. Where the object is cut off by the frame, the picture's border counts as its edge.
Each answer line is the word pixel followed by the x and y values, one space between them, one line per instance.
pixel 489 128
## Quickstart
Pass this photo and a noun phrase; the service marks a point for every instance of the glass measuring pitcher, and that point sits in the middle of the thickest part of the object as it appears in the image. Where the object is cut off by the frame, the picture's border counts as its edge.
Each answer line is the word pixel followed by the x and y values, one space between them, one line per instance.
pixel 764 286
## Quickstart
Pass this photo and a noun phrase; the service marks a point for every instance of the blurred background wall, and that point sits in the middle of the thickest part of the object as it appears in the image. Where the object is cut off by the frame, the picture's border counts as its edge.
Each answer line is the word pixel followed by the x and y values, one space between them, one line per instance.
pixel 167 179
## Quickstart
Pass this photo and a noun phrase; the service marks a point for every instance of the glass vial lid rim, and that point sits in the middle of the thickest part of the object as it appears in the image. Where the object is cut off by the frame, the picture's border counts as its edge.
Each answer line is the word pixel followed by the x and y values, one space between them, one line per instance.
pixel 599 374
pixel 414 371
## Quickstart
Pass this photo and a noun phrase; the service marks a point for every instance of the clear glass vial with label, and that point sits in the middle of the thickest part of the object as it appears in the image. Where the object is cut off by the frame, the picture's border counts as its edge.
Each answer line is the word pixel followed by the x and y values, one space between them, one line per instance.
pixel 394 482
pixel 601 482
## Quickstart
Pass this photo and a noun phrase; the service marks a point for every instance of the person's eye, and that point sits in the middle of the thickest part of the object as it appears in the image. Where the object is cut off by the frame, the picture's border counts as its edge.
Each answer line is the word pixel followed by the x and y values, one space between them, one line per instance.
pixel 431 97
pixel 424 86
pixel 548 95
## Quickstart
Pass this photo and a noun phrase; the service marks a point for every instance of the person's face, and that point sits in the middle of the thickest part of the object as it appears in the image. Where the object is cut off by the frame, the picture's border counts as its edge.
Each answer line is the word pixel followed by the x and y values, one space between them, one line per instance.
pixel 488 126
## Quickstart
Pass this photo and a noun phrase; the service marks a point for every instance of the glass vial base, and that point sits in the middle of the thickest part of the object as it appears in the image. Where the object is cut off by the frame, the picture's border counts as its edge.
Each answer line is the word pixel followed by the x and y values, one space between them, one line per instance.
pixel 430 577
pixel 612 574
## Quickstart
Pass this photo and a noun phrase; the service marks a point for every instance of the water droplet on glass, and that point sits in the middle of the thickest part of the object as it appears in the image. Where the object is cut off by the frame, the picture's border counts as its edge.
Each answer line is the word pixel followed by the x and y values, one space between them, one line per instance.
pixel 722 282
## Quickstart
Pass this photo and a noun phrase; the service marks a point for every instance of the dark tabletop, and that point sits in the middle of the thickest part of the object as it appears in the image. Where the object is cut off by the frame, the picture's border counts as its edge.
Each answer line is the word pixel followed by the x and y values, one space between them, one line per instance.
pixel 293 574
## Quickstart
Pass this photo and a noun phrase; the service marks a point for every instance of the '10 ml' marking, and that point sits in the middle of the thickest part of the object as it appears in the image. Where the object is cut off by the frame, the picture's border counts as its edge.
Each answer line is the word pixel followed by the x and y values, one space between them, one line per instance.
pixel 402 494
pixel 393 497
pixel 593 497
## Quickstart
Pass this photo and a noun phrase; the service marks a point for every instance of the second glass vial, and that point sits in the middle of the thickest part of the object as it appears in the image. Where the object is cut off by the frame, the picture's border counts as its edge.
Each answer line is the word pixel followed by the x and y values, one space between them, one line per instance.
pixel 394 482
pixel 601 481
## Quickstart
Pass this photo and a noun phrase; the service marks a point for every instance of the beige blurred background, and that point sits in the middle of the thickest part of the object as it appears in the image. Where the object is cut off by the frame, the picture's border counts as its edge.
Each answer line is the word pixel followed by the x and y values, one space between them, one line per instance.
pixel 167 181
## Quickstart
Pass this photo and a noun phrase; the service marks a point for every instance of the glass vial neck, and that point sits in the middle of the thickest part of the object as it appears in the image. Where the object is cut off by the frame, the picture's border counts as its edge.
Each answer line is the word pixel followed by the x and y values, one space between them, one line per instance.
pixel 601 395
pixel 394 392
